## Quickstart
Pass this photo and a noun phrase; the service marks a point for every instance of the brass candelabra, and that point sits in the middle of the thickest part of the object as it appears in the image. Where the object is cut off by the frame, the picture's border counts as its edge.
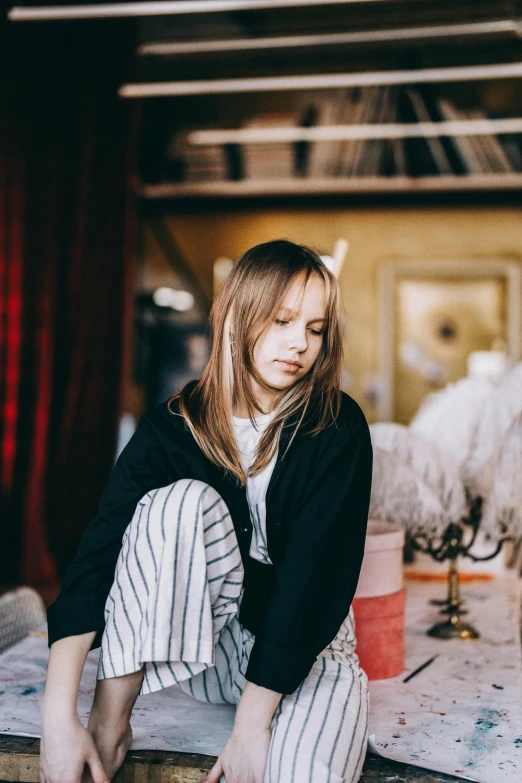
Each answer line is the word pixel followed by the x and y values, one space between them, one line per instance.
pixel 457 540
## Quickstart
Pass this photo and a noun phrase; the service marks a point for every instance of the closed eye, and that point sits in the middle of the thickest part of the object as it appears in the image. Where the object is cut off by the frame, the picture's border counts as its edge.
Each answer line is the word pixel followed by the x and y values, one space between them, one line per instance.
pixel 282 322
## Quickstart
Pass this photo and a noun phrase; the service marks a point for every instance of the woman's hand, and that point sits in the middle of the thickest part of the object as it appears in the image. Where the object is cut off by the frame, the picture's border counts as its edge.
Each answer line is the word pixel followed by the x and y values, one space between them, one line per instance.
pixel 243 759
pixel 66 748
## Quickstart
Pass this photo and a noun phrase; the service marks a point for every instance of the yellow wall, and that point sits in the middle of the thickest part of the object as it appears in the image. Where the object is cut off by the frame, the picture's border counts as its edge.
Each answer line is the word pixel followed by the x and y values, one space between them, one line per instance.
pixel 375 235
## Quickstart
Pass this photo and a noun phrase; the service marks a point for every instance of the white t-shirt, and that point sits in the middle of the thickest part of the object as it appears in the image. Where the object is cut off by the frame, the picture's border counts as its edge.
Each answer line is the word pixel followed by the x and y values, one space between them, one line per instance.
pixel 247 438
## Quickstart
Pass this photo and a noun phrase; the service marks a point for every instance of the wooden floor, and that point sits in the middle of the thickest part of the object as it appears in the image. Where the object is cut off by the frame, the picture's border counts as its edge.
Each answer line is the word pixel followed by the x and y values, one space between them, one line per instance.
pixel 19 764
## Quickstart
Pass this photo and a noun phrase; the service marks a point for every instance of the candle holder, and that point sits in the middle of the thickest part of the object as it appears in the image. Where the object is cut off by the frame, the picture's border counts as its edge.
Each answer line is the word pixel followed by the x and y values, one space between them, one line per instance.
pixel 455 542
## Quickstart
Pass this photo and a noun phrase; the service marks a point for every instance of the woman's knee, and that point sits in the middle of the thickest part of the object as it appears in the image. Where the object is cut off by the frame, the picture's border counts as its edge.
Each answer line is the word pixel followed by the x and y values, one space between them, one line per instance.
pixel 187 486
pixel 183 498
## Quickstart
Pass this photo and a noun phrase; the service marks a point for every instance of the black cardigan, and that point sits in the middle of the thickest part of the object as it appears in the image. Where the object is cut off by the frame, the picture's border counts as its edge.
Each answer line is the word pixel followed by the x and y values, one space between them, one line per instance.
pixel 316 514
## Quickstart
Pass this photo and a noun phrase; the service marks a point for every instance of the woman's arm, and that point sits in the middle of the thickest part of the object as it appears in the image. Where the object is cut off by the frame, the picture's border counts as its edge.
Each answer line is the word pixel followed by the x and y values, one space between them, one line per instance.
pixel 66 662
pixel 256 708
pixel 85 585
pixel 76 619
pixel 66 746
pixel 245 754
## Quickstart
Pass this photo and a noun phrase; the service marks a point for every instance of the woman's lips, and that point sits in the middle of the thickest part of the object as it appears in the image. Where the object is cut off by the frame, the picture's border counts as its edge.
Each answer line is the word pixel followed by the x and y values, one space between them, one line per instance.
pixel 288 367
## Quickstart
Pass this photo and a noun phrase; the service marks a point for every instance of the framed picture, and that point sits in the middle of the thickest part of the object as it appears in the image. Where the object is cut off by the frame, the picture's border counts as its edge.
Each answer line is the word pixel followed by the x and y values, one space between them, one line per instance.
pixel 432 315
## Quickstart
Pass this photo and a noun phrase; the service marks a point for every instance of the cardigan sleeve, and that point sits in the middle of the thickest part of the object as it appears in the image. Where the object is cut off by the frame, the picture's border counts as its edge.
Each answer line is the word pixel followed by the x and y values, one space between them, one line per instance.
pixel 86 582
pixel 317 578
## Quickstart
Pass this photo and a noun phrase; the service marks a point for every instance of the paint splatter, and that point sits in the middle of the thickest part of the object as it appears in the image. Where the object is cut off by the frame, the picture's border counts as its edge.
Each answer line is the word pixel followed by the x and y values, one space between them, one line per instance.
pixel 481 741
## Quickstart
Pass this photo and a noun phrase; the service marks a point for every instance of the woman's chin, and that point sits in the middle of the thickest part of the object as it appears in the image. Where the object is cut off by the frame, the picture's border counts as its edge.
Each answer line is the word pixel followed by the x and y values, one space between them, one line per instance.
pixel 281 381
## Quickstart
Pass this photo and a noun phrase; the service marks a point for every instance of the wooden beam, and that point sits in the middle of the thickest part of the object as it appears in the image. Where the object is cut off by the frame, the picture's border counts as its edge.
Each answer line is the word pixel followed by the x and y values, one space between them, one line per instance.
pixel 161 8
pixel 481 127
pixel 322 81
pixel 314 186
pixel 19 763
pixel 472 29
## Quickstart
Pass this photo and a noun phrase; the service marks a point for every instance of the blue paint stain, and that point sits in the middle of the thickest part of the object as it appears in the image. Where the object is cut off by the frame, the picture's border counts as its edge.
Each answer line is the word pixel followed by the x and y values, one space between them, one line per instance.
pixel 480 741
pixel 486 724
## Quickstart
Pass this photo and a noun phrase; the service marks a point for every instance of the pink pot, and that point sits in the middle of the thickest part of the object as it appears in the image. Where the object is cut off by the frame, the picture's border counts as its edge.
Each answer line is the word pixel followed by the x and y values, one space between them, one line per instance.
pixel 382 567
pixel 380 602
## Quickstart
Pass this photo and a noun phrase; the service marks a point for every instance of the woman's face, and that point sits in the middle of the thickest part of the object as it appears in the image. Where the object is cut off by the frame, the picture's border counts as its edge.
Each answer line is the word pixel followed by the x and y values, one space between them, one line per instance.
pixel 288 349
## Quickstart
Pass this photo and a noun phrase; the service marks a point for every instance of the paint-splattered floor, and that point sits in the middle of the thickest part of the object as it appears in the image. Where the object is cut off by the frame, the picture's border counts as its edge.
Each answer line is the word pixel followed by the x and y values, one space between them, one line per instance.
pixel 462 714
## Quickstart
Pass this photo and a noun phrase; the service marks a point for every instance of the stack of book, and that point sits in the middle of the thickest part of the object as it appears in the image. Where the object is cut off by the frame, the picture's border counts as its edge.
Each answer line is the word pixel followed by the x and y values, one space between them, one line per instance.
pixel 201 162
pixel 358 157
pixel 407 156
pixel 486 154
pixel 270 161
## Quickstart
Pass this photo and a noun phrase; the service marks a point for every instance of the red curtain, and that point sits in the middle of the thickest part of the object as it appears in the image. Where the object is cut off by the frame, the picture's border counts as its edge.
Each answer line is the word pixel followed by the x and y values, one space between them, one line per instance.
pixel 66 248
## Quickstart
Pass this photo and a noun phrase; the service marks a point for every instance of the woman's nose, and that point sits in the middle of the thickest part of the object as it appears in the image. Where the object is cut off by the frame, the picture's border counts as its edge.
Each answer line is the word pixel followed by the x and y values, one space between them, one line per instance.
pixel 298 339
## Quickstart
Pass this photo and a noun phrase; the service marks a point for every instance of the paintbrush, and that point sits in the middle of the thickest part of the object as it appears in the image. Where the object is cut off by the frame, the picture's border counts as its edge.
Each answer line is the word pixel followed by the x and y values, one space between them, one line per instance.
pixel 420 668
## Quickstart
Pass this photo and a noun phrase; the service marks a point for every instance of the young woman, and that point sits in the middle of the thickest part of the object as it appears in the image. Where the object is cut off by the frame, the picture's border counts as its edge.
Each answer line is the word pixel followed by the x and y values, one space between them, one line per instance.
pixel 227 549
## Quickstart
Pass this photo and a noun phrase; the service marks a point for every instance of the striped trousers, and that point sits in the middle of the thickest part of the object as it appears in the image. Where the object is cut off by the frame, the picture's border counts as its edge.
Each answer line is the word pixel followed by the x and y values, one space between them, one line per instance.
pixel 173 610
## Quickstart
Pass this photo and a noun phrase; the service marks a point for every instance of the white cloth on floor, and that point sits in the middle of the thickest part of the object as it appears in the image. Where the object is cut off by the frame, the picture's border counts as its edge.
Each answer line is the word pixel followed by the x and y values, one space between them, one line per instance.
pixel 461 715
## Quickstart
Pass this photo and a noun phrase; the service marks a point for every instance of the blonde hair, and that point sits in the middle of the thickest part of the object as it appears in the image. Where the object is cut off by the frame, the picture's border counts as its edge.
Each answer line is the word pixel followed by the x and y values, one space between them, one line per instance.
pixel 244 309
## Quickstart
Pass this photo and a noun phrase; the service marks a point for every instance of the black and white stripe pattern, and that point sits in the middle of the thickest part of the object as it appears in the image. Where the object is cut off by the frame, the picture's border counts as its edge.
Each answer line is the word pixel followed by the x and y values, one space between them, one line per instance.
pixel 173 609
pixel 259 545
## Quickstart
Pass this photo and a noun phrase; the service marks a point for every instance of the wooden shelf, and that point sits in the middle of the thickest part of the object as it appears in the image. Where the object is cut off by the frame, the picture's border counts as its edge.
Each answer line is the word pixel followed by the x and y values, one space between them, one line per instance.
pixel 332 186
